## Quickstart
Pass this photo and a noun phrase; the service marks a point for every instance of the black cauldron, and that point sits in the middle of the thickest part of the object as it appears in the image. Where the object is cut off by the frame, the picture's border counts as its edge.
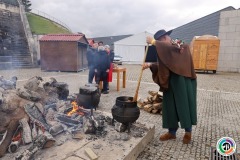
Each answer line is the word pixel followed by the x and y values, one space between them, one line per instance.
pixel 125 110
pixel 89 96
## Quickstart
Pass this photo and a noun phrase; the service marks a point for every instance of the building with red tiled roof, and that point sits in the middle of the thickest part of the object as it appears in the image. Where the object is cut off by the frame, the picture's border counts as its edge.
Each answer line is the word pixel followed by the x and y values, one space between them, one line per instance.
pixel 63 52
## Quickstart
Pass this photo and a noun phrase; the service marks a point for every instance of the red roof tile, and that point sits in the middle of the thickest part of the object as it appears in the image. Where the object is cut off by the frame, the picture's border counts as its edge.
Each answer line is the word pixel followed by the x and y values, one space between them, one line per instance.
pixel 62 37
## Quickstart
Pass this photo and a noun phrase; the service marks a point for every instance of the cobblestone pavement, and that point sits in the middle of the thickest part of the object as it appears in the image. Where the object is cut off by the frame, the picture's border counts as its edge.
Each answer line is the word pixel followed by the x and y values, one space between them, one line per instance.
pixel 218 100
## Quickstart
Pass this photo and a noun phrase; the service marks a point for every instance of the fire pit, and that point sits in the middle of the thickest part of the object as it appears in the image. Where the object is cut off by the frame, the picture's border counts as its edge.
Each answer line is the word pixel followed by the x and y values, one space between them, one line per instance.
pixel 44 117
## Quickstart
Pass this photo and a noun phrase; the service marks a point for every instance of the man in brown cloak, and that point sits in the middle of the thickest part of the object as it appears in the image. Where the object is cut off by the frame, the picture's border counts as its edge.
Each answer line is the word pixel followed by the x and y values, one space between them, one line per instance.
pixel 174 73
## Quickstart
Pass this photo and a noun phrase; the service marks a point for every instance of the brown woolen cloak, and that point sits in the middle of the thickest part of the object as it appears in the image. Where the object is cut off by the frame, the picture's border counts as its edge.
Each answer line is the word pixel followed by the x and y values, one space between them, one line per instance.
pixel 171 58
pixel 175 75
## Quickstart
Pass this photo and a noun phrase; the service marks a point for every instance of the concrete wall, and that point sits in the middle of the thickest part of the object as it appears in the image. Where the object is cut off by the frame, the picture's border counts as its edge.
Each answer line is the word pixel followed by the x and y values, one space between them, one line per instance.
pixel 28 33
pixel 229 34
pixel 10 8
pixel 37 45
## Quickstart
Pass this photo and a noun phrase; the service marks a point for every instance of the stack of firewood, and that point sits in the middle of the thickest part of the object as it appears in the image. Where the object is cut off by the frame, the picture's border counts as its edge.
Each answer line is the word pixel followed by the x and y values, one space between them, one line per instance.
pixel 153 103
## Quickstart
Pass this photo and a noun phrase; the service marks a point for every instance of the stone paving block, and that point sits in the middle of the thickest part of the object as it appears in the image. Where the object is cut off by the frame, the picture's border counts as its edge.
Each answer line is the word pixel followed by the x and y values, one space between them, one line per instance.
pixel 61 152
pixel 129 150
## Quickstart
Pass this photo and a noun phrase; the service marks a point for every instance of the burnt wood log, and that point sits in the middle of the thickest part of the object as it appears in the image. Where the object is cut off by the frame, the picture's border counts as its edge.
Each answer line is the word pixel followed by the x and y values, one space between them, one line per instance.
pixel 36 116
pixel 29 95
pixel 1 98
pixel 8 139
pixel 33 83
pixel 8 84
pixel 11 111
pixel 18 104
pixel 12 148
pixel 60 88
pixel 43 141
pixel 88 125
pixel 27 133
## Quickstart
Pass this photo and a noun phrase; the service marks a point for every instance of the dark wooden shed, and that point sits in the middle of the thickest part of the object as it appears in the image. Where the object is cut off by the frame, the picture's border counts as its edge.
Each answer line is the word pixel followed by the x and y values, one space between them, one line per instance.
pixel 63 52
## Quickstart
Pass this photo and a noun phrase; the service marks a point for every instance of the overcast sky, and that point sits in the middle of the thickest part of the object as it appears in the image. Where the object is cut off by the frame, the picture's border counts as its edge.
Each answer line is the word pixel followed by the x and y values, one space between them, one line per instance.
pixel 97 18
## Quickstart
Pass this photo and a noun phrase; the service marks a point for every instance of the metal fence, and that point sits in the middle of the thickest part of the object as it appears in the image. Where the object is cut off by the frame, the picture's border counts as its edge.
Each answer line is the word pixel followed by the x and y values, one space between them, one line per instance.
pixel 47 16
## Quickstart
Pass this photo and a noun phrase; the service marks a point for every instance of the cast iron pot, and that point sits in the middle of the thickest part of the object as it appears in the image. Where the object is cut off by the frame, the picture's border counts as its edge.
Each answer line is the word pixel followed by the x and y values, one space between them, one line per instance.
pixel 89 96
pixel 125 111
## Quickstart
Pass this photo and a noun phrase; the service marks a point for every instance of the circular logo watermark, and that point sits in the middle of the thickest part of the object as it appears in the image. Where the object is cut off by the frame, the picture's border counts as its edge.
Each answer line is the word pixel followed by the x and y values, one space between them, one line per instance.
pixel 226 146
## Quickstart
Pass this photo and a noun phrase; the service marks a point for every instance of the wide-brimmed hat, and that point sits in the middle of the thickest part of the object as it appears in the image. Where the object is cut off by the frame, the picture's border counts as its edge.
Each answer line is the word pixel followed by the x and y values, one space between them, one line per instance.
pixel 161 33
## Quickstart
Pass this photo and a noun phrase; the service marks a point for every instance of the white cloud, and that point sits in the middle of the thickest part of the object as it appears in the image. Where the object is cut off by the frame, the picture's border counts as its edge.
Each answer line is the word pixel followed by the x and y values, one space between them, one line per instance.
pixel 111 17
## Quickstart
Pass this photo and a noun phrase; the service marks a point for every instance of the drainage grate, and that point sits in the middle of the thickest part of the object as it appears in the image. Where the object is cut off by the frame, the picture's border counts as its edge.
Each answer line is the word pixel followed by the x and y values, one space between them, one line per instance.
pixel 216 156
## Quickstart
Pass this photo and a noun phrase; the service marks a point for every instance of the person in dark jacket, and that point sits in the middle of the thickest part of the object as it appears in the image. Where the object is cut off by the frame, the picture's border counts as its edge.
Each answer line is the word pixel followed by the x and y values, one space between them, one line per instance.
pixel 111 57
pixel 100 43
pixel 110 53
pixel 91 52
pixel 101 67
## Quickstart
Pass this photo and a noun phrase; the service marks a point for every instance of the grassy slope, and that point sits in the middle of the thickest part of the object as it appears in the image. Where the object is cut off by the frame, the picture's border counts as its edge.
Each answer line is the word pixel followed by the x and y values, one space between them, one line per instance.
pixel 40 25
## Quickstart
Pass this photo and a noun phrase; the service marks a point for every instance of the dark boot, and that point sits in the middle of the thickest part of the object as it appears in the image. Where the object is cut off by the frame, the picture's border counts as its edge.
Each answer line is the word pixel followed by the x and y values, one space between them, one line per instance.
pixel 167 136
pixel 187 138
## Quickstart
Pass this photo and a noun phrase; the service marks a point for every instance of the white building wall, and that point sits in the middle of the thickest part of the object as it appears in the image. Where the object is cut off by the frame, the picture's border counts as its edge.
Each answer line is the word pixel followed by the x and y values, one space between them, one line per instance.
pixel 130 54
pixel 132 48
pixel 229 34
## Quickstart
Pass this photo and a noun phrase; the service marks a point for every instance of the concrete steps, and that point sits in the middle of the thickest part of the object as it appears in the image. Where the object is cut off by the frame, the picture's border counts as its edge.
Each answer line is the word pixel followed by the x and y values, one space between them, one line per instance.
pixel 21 61
pixel 15 41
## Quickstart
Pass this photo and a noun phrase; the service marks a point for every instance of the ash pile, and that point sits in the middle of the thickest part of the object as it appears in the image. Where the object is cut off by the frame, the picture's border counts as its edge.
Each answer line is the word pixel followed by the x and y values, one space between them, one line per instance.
pixel 42 114
pixel 25 114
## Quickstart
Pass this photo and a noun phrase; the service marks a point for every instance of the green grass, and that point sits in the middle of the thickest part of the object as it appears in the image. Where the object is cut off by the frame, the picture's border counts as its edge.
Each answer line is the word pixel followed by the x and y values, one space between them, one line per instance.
pixel 40 25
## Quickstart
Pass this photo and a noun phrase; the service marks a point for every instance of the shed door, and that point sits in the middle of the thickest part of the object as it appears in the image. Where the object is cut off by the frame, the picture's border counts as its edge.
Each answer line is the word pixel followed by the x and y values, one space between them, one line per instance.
pixel 212 56
pixel 82 57
pixel 203 56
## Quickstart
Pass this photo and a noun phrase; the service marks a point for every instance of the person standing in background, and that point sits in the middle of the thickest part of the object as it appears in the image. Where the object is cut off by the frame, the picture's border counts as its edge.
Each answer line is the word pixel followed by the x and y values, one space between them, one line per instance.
pixel 101 67
pixel 91 52
pixel 111 57
pixel 100 43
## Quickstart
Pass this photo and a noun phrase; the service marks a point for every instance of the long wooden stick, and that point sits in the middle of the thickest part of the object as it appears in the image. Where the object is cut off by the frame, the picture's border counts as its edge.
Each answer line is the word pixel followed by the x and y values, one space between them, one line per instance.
pixel 140 76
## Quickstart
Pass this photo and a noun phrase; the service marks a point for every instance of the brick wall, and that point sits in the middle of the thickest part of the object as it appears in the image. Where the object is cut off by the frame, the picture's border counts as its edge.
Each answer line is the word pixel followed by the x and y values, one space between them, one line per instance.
pixel 229 34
